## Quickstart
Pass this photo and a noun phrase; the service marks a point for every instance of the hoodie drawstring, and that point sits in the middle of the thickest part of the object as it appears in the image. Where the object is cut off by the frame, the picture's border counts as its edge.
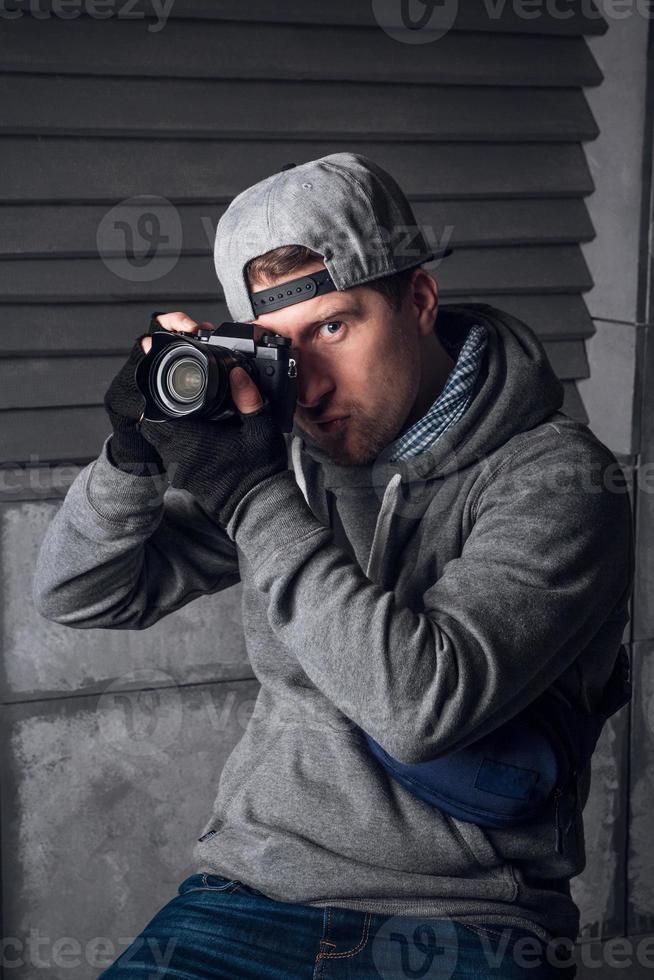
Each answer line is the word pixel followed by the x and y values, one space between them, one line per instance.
pixel 382 527
pixel 296 462
pixel 384 517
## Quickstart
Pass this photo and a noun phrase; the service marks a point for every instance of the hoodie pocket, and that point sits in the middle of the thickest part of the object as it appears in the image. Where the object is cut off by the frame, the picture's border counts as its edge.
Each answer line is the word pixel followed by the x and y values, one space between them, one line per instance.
pixel 475 841
pixel 482 853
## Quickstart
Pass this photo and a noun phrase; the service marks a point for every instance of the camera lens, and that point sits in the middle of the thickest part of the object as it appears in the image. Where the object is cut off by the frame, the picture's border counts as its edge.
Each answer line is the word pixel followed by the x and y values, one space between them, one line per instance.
pixel 186 380
pixel 179 380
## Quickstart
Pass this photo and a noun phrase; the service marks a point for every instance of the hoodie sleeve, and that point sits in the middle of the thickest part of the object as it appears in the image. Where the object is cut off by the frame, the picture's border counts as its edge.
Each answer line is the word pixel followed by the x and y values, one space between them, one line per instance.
pixel 123 551
pixel 547 563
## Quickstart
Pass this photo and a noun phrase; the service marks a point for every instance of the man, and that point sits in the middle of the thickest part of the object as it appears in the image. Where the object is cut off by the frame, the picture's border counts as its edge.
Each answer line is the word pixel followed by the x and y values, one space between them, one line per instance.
pixel 434 547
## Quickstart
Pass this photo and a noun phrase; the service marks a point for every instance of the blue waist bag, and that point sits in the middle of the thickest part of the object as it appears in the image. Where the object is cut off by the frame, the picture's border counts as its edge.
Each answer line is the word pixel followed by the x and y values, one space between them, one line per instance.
pixel 520 770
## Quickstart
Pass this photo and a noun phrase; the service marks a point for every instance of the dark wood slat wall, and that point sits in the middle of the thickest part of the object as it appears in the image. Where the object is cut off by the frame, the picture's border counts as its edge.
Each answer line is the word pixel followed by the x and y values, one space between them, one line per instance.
pixel 70 230
pixel 367 54
pixel 214 109
pixel 52 169
pixel 530 268
pixel 577 18
pixel 483 129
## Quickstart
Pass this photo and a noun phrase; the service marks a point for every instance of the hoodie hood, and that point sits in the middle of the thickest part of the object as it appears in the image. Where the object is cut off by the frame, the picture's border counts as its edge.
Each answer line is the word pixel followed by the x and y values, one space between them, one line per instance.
pixel 516 390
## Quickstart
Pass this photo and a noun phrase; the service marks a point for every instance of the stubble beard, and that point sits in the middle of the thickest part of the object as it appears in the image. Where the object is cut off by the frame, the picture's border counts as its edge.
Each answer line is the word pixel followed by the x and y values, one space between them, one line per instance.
pixel 362 442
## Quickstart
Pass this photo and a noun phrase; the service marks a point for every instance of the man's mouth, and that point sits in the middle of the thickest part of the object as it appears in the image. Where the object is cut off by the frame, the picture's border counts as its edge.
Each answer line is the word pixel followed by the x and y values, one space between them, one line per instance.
pixel 333 424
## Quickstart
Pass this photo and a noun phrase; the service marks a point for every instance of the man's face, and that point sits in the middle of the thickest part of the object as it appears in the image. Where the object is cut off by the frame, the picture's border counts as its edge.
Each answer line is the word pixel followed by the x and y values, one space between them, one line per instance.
pixel 358 367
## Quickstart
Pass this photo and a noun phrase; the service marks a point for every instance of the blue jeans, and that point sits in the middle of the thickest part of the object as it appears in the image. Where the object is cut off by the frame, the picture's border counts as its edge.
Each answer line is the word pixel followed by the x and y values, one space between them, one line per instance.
pixel 221 929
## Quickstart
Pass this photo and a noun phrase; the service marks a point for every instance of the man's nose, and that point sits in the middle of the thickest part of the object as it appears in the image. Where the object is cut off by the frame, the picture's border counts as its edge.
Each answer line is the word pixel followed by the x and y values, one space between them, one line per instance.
pixel 313 384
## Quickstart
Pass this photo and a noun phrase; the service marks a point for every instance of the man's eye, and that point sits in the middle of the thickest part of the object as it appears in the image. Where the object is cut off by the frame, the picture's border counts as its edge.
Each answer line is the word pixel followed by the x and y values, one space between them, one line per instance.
pixel 331 323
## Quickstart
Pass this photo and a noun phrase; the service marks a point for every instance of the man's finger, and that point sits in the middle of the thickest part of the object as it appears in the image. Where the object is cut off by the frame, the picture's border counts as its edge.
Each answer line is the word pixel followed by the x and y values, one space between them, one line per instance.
pixel 245 393
pixel 178 321
pixel 174 321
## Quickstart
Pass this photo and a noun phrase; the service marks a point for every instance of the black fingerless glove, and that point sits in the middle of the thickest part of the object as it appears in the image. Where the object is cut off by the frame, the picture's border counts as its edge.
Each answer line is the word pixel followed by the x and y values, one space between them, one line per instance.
pixel 128 449
pixel 220 461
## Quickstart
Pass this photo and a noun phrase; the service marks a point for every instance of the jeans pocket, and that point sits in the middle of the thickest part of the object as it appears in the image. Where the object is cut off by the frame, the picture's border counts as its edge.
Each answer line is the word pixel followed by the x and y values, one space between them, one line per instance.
pixel 207 882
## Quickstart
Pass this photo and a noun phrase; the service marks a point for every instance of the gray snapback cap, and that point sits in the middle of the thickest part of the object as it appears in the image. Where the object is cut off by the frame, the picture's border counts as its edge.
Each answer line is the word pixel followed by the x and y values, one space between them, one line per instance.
pixel 343 206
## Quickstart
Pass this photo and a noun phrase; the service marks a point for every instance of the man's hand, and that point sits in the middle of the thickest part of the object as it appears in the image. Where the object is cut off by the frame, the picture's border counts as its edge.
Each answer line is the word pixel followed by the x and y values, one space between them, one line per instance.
pixel 219 461
pixel 128 449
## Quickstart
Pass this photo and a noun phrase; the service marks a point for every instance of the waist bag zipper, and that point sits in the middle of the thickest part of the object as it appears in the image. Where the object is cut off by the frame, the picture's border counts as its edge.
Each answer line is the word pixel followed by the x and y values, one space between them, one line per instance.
pixel 565 793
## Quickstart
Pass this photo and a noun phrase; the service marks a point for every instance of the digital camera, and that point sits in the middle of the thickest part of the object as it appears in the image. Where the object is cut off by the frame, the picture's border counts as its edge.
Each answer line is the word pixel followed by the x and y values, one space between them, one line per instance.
pixel 186 374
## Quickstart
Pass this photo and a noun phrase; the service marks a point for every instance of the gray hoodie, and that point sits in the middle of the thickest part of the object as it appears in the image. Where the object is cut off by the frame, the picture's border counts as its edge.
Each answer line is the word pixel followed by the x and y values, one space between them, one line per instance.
pixel 424 601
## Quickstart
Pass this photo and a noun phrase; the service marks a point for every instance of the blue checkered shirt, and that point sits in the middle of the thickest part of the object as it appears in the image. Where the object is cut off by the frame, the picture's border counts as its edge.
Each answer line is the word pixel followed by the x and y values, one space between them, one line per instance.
pixel 450 404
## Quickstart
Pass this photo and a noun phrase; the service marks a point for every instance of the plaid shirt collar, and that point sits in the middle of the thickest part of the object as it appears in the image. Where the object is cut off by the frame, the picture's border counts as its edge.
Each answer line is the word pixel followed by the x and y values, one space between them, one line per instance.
pixel 450 404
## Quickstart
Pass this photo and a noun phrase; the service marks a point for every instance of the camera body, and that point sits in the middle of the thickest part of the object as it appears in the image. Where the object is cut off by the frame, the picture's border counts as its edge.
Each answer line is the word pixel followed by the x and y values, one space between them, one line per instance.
pixel 186 374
